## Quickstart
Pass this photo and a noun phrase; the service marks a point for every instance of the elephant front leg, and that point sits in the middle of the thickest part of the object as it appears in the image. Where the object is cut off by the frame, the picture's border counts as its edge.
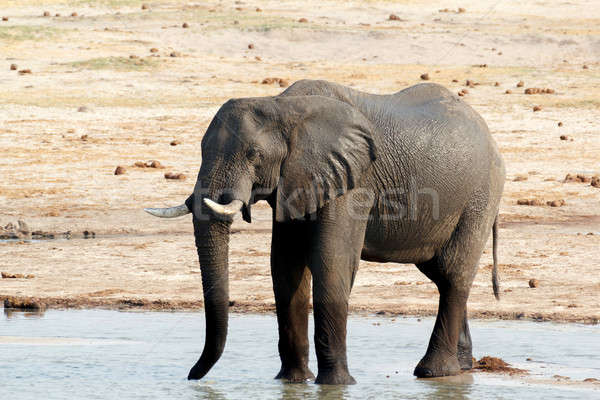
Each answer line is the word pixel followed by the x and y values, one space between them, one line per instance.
pixel 335 255
pixel 291 286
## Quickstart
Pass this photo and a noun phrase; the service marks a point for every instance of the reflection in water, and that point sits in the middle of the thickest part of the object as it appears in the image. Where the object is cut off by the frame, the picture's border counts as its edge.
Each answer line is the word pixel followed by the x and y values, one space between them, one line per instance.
pixel 207 392
pixel 449 387
pixel 15 313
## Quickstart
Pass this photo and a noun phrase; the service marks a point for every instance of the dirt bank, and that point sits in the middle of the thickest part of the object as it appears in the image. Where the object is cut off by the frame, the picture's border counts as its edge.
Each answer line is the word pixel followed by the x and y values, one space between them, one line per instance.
pixel 121 86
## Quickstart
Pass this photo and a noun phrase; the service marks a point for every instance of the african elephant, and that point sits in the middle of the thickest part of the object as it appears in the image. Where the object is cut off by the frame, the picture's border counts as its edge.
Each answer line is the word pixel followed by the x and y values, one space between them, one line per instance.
pixel 411 177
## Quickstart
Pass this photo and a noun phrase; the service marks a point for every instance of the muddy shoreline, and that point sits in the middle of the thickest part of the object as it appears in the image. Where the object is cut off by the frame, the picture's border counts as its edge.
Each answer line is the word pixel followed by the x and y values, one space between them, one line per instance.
pixel 28 304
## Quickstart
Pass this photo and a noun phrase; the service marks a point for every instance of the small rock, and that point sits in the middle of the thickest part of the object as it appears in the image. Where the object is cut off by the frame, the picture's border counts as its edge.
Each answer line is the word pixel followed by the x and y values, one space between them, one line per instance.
pixel 154 164
pixel 454 80
pixel 13 67
pixel 595 181
pixel 497 84
pixel 520 84
pixel 394 17
pixel 119 170
pixel 533 283
pixel 564 137
pixel 591 380
pixel 529 202
pixel 508 91
pixel 537 108
pixel 175 142
pixel 133 56
pixel 74 14
pixel 303 20
pixel 145 6
pixel 461 10
pixel 173 176
pixel 258 9
pixel 185 25
pixel 251 46
pixel 57 15
pixel 539 91
pixel 46 14
pixel 5 19
pixel 560 124
pixel 520 178
pixel 25 71
pixel 425 77
pixel 84 137
pixel 154 50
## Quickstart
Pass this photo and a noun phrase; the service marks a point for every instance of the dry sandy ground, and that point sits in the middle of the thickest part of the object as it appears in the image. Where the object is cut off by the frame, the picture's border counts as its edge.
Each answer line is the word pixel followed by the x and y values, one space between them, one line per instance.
pixel 57 163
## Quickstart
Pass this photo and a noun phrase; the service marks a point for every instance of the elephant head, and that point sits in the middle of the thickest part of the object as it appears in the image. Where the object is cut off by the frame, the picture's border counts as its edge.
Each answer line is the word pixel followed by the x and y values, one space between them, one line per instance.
pixel 297 152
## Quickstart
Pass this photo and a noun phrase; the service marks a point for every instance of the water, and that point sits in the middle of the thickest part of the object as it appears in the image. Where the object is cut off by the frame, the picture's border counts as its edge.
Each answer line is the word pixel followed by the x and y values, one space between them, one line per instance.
pixel 98 354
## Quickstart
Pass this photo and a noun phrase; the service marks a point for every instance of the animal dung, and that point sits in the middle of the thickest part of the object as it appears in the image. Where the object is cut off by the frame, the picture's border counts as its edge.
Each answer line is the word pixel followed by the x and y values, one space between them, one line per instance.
pixel 175 142
pixel 154 50
pixel 529 202
pixel 533 283
pixel 13 67
pixel 174 176
pixel 507 91
pixel 4 18
pixel 46 14
pixel 74 14
pixel 556 203
pixel 537 108
pixel 560 124
pixel 251 46
pixel 25 71
pixel 425 77
pixel 119 170
pixel 520 84
pixel 185 25
pixel 6 275
pixel 520 178
pixel 564 137
pixel 281 82
pixel 175 54
pixel 580 178
pixel 539 91
pixel 496 83
pixel 145 6
pixel 595 182
pixel 23 303
pixel 394 17
pixel 303 20
pixel 148 164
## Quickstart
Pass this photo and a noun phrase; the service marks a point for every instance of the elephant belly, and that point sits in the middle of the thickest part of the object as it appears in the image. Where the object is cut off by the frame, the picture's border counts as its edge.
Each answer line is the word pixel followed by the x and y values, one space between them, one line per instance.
pixel 410 242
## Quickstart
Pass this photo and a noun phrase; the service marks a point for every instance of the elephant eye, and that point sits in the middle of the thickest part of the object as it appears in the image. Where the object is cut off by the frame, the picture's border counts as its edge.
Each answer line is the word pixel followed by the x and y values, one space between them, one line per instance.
pixel 252 154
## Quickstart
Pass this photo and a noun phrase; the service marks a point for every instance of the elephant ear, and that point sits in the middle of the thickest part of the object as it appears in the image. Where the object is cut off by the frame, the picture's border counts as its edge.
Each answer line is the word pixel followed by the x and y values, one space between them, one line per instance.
pixel 330 148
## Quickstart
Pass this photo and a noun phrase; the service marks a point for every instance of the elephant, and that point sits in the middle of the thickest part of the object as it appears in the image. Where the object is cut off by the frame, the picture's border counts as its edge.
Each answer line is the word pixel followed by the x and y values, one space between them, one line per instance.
pixel 411 177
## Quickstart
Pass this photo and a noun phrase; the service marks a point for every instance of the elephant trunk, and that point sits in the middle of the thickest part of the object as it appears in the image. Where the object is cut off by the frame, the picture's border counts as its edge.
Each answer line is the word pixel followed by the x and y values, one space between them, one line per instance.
pixel 212 243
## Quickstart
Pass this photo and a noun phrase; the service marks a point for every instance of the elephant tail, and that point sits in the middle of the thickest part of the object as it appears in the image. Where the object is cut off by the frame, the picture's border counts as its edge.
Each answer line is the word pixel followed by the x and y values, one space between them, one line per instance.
pixel 495 283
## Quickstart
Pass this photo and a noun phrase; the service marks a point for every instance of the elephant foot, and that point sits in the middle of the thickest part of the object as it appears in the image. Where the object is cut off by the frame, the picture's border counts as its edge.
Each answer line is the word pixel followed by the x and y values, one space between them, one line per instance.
pixel 295 375
pixel 431 367
pixel 335 377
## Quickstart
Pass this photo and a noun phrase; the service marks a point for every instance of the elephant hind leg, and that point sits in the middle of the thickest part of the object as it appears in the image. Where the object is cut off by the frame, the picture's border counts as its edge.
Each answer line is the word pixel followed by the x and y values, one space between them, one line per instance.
pixel 291 286
pixel 453 271
pixel 465 346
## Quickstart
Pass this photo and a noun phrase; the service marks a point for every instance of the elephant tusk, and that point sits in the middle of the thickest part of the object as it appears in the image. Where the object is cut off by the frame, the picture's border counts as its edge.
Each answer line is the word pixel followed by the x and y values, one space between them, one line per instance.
pixel 224 209
pixel 171 212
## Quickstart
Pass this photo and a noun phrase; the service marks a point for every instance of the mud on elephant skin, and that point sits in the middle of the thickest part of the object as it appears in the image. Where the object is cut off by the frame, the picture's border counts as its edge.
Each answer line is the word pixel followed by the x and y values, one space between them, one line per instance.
pixel 411 177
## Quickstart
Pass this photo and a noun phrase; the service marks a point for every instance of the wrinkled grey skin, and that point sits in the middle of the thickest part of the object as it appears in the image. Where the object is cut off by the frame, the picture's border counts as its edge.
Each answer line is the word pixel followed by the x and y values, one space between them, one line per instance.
pixel 412 177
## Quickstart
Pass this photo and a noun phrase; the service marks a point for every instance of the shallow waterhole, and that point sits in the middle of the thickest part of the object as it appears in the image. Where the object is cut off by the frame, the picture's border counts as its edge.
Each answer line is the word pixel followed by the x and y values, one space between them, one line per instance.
pixel 130 355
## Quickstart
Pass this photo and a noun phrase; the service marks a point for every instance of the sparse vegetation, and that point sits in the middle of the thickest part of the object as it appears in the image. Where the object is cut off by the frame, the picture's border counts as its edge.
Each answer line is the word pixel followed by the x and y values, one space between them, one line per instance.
pixel 116 63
